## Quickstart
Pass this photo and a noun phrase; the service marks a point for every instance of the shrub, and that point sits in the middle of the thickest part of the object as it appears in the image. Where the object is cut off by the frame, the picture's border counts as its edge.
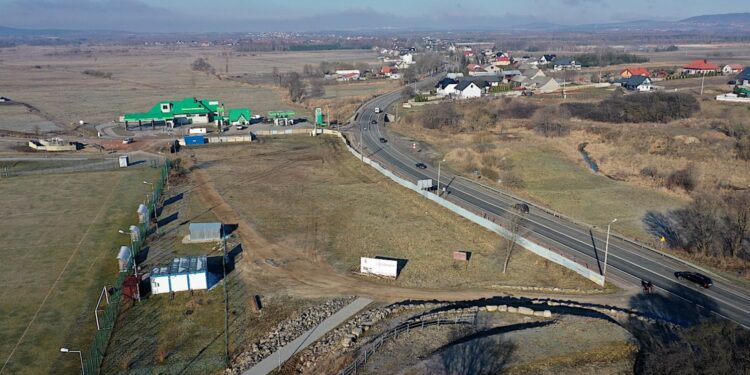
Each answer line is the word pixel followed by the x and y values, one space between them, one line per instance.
pixel 649 172
pixel 642 107
pixel 682 178
pixel 743 148
pixel 490 173
pixel 97 73
pixel 201 65
pixel 511 179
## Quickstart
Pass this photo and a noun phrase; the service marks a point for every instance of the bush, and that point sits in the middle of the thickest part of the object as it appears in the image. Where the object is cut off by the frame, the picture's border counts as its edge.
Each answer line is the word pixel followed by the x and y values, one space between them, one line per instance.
pixel 551 122
pixel 520 109
pixel 649 172
pixel 201 65
pixel 682 178
pixel 490 173
pixel 743 148
pixel 98 73
pixel 511 179
pixel 608 58
pixel 642 107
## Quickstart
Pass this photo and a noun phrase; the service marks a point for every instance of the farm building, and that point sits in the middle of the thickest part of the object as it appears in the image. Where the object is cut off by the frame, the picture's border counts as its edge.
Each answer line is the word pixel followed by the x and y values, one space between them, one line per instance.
pixel 205 232
pixel 185 111
pixel 182 274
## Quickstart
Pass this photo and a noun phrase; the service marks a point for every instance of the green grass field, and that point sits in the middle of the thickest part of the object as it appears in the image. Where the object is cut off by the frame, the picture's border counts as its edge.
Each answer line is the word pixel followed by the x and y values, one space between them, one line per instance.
pixel 59 245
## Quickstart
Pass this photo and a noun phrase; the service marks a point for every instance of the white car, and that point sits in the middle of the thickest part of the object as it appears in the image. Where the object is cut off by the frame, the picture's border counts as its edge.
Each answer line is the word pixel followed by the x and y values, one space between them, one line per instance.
pixel 377 109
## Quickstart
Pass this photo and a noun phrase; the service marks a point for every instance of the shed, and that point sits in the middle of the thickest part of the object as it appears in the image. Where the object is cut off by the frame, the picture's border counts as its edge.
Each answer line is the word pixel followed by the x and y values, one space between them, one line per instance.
pixel 135 233
pixel 160 280
pixel 178 274
pixel 123 161
pixel 123 258
pixel 205 232
pixel 142 213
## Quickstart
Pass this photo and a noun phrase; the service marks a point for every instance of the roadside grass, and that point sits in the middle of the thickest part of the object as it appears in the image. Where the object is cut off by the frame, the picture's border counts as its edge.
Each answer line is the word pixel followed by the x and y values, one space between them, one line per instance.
pixel 59 245
pixel 310 194
pixel 553 181
pixel 41 164
pixel 367 88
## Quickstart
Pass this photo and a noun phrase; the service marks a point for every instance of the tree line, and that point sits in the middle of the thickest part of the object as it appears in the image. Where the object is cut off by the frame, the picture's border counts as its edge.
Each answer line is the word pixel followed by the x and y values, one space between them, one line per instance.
pixel 635 108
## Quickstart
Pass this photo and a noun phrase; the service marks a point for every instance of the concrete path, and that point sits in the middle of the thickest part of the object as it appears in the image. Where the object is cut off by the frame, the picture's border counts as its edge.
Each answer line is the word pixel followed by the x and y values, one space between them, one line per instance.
pixel 271 362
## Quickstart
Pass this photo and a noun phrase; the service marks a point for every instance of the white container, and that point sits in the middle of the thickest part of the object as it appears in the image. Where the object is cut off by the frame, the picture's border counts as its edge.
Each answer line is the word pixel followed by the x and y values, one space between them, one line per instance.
pixel 124 161
pixel 198 131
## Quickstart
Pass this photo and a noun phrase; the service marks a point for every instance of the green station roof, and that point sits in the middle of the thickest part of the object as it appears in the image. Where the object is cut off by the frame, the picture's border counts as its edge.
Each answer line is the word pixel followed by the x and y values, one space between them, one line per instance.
pixel 237 113
pixel 167 110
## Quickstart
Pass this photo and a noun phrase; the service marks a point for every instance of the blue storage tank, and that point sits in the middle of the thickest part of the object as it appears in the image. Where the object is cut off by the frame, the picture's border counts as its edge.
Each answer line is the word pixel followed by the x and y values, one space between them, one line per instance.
pixel 195 140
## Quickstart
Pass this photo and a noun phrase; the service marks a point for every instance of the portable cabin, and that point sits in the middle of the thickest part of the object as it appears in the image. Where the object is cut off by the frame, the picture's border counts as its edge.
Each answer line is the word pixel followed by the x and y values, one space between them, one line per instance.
pixel 205 232
pixel 195 140
pixel 178 275
pixel 160 280
pixel 123 258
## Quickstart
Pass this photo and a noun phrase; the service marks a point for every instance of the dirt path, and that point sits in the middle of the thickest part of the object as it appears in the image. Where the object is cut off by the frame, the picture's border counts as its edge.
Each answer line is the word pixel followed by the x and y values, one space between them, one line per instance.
pixel 301 273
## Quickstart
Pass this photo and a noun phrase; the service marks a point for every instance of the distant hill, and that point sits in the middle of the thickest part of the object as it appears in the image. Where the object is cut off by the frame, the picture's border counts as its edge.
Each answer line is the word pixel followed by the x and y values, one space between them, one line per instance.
pixel 717 19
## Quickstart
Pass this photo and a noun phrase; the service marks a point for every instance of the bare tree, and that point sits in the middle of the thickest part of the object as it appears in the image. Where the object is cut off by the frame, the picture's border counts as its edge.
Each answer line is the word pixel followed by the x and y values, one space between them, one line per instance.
pixel 408 75
pixel 407 93
pixel 201 65
pixel 294 84
pixel 276 76
pixel 514 227
pixel 316 88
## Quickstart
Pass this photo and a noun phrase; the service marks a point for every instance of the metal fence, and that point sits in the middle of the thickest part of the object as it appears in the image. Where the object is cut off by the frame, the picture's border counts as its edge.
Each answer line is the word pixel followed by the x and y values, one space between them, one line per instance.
pixel 92 361
pixel 368 350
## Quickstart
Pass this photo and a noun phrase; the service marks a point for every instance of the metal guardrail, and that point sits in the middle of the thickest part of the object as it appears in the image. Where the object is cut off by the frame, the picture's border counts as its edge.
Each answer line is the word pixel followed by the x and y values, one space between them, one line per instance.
pixel 368 350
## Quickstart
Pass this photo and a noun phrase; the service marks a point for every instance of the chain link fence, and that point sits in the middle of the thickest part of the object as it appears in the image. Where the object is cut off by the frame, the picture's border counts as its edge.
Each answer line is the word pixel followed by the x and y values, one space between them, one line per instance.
pixel 92 360
pixel 369 349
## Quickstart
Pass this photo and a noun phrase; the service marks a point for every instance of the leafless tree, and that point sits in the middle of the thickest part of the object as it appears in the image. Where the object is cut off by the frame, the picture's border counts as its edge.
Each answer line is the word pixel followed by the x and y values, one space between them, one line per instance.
pixel 514 226
pixel 316 88
pixel 407 93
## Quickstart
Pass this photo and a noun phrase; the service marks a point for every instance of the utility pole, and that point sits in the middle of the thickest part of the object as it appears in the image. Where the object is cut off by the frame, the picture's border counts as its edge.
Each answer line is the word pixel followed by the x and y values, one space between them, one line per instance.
pixel 438 179
pixel 606 247
pixel 703 79
pixel 226 297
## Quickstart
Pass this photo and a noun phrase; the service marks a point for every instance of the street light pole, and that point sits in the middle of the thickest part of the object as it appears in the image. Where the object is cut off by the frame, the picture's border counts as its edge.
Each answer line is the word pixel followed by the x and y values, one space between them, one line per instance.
pixel 80 355
pixel 606 246
pixel 153 196
pixel 438 179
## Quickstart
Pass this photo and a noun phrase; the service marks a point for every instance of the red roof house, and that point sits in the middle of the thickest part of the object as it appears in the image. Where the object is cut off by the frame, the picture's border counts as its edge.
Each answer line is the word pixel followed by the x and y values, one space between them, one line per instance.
pixel 629 72
pixel 700 67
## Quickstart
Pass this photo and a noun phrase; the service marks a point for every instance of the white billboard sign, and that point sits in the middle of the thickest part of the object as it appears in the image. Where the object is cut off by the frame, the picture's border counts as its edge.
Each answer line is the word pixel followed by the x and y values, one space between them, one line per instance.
pixel 380 267
pixel 424 184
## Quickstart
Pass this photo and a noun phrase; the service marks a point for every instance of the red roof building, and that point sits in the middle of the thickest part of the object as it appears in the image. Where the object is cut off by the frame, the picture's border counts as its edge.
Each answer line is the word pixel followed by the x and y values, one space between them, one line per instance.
pixel 700 67
pixel 629 72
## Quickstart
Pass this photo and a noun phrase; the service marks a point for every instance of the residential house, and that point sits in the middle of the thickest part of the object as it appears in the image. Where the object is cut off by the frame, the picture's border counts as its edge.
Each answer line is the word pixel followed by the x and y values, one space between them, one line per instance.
pixel 528 65
pixel 347 75
pixel 468 90
pixel 731 69
pixel 743 79
pixel 474 69
pixel 446 87
pixel 454 75
pixel 629 72
pixel 502 60
pixel 544 85
pixel 468 53
pixel 636 83
pixel 546 59
pixel 388 70
pixel 532 73
pixel 407 58
pixel 699 67
pixel 566 64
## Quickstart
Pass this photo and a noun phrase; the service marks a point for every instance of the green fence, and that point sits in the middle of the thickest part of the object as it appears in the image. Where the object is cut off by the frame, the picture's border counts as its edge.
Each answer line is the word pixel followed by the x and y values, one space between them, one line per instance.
pixel 92 361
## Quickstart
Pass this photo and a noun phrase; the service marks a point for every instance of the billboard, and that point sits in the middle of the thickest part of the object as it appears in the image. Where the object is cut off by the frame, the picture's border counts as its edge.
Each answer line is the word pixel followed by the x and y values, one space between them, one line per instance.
pixel 380 267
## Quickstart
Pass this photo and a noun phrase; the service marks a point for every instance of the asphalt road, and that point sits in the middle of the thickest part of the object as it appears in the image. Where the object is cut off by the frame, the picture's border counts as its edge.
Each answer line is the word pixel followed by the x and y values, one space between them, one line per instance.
pixel 628 262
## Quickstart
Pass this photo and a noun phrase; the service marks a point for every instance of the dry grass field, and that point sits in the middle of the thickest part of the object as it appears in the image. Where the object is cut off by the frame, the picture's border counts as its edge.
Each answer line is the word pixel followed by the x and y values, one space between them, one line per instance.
pixel 553 174
pixel 52 80
pixel 18 118
pixel 59 245
pixel 311 196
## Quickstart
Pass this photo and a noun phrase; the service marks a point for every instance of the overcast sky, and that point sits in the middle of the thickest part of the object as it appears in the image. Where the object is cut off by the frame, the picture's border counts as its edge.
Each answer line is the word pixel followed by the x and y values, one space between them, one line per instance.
pixel 259 15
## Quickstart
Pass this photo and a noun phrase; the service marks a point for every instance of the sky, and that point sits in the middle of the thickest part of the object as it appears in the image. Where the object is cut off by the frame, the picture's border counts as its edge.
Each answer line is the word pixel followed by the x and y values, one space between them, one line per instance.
pixel 306 15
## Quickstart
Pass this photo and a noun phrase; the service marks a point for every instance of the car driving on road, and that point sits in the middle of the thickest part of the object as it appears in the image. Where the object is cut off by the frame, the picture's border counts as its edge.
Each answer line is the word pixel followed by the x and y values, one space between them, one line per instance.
pixel 383 140
pixel 694 277
pixel 421 165
pixel 374 122
pixel 521 207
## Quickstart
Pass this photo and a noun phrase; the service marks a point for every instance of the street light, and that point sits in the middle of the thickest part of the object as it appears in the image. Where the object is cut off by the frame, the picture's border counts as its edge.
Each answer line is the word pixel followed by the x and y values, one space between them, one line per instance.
pixel 153 196
pixel 438 179
pixel 80 355
pixel 606 246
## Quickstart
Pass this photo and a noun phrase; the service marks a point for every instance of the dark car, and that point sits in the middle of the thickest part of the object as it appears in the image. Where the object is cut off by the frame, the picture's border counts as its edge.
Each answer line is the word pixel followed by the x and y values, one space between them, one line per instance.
pixel 521 207
pixel 695 277
pixel 732 82
pixel 374 122
pixel 383 140
pixel 421 165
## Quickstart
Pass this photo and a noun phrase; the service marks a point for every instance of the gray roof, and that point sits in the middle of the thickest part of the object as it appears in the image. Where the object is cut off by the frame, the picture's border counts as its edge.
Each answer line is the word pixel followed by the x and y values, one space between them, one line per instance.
pixel 633 81
pixel 565 61
pixel 182 266
pixel 464 84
